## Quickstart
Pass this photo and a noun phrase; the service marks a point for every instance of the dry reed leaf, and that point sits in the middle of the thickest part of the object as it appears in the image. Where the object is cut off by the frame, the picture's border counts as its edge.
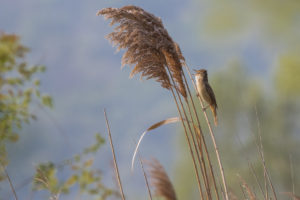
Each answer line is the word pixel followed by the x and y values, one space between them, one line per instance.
pixel 250 193
pixel 160 181
pixel 150 49
pixel 154 126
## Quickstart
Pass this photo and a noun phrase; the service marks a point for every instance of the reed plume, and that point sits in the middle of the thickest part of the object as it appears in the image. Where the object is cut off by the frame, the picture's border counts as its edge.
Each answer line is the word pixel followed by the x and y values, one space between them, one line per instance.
pixel 150 49
pixel 160 180
pixel 153 53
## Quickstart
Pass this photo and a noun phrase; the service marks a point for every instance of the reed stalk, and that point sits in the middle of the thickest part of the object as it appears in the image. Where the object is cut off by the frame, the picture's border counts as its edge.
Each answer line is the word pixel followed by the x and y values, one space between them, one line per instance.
pixel 261 153
pixel 189 145
pixel 202 140
pixel 154 54
pixel 199 155
pixel 145 177
pixel 114 157
pixel 212 137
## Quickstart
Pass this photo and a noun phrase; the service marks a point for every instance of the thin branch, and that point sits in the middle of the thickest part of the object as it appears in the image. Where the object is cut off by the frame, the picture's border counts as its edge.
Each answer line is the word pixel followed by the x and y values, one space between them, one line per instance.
pixel 10 182
pixel 114 157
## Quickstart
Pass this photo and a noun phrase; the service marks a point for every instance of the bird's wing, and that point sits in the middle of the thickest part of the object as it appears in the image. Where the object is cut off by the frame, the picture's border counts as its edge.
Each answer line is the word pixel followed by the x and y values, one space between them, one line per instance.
pixel 212 95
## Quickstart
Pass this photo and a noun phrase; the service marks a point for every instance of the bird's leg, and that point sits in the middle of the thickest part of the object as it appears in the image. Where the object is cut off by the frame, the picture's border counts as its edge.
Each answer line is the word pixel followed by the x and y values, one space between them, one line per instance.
pixel 204 108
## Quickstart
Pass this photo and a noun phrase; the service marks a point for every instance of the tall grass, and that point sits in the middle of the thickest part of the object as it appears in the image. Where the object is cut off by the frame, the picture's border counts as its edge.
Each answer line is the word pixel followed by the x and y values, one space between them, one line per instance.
pixel 154 54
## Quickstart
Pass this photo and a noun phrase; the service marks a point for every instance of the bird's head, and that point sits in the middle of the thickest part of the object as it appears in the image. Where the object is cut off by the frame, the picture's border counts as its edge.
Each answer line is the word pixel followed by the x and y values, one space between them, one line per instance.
pixel 201 73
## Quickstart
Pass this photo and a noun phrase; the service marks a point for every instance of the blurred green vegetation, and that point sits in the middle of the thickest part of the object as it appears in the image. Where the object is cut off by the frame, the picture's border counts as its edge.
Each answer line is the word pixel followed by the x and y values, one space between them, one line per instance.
pixel 249 103
pixel 275 19
pixel 82 176
pixel 19 91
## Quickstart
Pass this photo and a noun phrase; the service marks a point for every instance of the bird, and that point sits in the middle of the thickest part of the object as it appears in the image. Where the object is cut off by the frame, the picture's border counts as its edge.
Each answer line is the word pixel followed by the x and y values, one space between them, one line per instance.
pixel 206 92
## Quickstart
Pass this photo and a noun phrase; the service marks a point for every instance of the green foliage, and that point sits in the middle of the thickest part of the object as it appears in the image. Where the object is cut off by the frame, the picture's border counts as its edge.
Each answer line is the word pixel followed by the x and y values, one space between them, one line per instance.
pixel 82 175
pixel 287 76
pixel 18 90
pixel 277 20
pixel 46 178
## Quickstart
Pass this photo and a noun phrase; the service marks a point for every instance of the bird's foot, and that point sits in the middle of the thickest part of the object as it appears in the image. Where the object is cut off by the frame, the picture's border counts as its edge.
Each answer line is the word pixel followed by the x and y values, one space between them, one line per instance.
pixel 204 108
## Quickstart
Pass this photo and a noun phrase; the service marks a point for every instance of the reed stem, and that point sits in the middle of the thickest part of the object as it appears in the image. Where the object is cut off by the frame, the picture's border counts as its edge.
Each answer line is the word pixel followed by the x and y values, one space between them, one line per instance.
pixel 145 177
pixel 203 140
pixel 212 137
pixel 114 157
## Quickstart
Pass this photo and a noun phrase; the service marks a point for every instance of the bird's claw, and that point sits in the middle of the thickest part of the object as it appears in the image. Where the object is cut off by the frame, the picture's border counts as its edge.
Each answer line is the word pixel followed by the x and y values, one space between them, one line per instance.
pixel 204 108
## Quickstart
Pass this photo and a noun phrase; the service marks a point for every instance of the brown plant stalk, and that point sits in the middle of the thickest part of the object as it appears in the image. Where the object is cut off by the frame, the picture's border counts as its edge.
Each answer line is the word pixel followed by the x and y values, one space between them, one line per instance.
pixel 154 54
pixel 189 144
pixel 207 191
pixel 200 140
pixel 114 157
pixel 145 177
pixel 212 137
pixel 261 153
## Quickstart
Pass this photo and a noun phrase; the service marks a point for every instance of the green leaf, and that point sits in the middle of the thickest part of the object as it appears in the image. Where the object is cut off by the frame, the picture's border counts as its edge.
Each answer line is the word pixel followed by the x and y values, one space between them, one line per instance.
pixel 72 180
pixel 47 101
pixel 88 163
pixel 37 82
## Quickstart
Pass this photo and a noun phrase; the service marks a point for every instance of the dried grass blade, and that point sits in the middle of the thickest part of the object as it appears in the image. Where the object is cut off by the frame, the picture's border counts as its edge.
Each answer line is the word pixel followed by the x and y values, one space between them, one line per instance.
pixel 250 193
pixel 261 153
pixel 114 157
pixel 154 126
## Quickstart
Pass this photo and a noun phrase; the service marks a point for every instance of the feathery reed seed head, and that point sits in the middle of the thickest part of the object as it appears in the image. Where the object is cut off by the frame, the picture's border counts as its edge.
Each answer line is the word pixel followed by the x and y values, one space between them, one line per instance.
pixel 150 49
pixel 160 180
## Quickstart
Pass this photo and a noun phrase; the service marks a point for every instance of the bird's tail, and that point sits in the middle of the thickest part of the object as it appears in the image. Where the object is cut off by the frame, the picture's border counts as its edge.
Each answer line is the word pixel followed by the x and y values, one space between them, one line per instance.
pixel 214 112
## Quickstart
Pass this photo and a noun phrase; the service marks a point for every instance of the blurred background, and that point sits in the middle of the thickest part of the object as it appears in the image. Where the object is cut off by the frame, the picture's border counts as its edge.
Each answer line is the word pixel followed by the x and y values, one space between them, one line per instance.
pixel 251 50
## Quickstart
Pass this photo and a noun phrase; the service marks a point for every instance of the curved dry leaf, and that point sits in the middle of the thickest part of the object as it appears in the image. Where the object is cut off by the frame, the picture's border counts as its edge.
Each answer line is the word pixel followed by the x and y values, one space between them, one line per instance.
pixel 154 126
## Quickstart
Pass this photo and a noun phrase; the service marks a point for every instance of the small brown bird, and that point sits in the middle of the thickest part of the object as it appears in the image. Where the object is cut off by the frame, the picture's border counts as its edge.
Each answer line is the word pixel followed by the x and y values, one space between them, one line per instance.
pixel 206 92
